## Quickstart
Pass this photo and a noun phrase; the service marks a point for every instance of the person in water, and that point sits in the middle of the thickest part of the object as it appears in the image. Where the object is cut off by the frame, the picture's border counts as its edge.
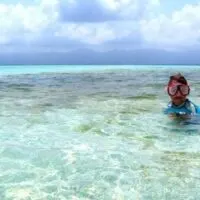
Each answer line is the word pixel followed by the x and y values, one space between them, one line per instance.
pixel 178 91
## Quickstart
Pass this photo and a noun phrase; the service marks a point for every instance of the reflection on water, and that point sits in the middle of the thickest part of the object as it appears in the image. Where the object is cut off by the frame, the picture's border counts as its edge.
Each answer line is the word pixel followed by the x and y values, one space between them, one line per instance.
pixel 95 136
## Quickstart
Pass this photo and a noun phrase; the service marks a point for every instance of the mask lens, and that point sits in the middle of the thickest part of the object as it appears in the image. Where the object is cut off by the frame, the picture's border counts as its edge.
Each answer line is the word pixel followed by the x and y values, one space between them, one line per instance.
pixel 172 90
pixel 184 89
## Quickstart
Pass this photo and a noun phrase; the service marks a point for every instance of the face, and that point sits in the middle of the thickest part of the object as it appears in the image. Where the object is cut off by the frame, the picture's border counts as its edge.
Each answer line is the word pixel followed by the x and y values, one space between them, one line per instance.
pixel 178 92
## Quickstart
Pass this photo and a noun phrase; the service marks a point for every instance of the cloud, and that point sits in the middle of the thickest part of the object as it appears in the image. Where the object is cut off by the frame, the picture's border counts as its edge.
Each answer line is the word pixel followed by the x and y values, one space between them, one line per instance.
pixel 23 21
pixel 85 11
pixel 180 30
pixel 88 33
pixel 63 25
pixel 41 24
pixel 104 10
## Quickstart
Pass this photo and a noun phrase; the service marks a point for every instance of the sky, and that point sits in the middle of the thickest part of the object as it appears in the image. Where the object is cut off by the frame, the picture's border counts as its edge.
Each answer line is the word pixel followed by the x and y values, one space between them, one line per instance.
pixel 99 25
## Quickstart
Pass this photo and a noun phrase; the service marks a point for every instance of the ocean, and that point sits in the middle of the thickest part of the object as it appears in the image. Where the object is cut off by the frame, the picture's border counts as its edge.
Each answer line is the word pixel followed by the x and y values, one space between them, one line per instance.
pixel 95 133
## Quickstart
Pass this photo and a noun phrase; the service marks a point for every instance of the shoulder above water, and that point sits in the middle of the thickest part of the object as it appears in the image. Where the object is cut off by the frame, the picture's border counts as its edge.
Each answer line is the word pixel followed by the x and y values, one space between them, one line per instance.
pixel 186 108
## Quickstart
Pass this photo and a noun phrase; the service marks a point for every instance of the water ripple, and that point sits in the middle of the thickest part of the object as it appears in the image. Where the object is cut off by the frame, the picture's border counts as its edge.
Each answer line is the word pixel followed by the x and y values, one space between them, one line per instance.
pixel 95 136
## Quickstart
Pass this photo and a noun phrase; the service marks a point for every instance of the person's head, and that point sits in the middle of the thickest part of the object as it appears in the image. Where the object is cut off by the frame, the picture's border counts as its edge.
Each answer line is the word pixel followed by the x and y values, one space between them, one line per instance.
pixel 178 88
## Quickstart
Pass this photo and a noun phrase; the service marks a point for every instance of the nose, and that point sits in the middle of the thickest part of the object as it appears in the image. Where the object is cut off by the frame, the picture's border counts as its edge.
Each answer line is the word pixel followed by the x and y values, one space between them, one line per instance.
pixel 178 93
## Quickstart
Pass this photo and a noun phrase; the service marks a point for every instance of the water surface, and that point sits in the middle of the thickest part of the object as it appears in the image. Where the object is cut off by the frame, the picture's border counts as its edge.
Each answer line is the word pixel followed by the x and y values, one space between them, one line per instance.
pixel 95 133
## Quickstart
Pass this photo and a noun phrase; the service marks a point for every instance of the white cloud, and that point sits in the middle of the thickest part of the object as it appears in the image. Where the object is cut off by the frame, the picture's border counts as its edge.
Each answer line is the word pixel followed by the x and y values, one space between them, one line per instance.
pixel 29 24
pixel 89 33
pixel 20 21
pixel 111 22
pixel 181 29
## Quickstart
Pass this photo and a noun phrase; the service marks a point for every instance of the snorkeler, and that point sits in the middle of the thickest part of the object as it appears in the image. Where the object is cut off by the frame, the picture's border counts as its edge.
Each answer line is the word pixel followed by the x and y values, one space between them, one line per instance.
pixel 178 90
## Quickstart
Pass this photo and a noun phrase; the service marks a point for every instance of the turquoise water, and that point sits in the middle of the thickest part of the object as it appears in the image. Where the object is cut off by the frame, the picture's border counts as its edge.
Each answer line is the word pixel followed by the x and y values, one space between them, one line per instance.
pixel 95 132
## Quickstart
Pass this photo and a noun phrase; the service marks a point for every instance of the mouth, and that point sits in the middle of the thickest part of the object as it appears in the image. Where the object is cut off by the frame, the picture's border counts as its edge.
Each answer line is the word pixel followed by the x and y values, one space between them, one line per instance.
pixel 178 98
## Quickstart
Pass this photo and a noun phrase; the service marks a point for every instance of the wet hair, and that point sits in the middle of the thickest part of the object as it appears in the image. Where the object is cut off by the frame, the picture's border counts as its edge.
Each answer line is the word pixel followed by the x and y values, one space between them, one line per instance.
pixel 179 78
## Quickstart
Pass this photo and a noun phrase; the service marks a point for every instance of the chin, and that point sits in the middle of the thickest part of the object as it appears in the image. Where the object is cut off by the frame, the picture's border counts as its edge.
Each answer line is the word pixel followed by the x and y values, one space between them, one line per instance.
pixel 178 101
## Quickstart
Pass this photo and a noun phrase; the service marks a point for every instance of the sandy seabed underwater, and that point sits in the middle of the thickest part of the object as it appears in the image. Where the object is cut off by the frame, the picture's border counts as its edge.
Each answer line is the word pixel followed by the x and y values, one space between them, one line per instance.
pixel 96 134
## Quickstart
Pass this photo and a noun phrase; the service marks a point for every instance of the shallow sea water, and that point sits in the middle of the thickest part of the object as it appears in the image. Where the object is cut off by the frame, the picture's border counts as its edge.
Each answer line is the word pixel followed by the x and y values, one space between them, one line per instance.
pixel 97 135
